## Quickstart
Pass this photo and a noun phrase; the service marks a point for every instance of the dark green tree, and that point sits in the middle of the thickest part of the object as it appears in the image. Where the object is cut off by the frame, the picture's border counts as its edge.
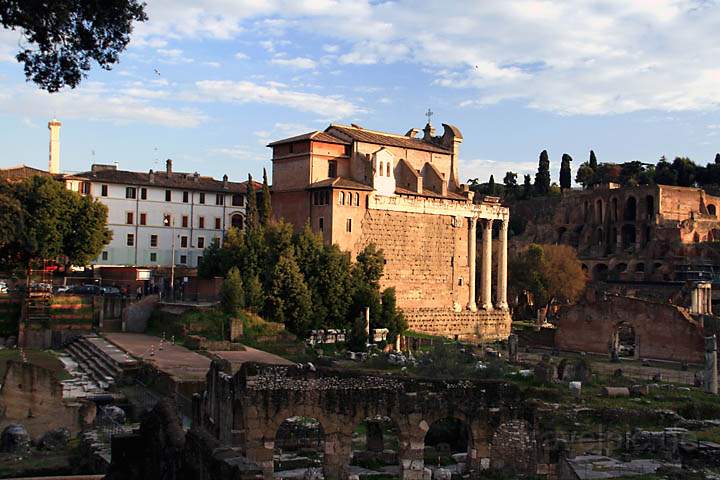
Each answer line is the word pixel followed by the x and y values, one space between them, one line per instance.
pixel 213 261
pixel 264 205
pixel 491 185
pixel 685 171
pixel 664 173
pixel 62 38
pixel 252 220
pixel 565 172
pixel 527 187
pixel 542 177
pixel 593 163
pixel 717 158
pixel 391 318
pixel 369 265
pixel 232 294
pixel 289 297
pixel 254 294
pixel 510 182
pixel 585 175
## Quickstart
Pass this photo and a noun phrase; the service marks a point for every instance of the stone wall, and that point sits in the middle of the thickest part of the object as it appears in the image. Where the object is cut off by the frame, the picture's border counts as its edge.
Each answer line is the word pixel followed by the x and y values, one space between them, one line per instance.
pixel 513 448
pixel 32 396
pixel 467 325
pixel 136 315
pixel 662 331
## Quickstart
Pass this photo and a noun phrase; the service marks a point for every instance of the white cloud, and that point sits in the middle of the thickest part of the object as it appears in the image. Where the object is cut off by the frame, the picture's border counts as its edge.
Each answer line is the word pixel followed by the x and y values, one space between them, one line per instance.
pixel 331 48
pixel 275 94
pixel 241 56
pixel 173 55
pixel 213 64
pixel 301 63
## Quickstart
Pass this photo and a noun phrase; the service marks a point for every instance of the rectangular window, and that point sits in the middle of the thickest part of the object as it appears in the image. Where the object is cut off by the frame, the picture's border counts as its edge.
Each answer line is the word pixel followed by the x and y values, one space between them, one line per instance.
pixel 321 224
pixel 219 199
pixel 291 148
pixel 217 223
pixel 184 221
pixel 129 218
pixel 153 240
pixel 199 260
pixel 332 169
pixel 130 240
pixel 348 225
pixel 183 242
pixel 103 190
pixel 130 192
pixel 183 259
pixel 201 242
pixel 168 195
pixel 167 220
pixel 237 200
pixel 348 150
pixel 104 255
pixel 201 222
pixel 202 198
pixel 153 257
pixel 143 193
pixel 85 188
pixel 186 197
pixel 143 219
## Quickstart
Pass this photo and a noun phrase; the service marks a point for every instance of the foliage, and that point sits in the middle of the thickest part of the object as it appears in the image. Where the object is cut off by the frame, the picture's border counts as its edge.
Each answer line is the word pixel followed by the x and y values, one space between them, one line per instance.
pixel 289 298
pixel 549 273
pixel 63 37
pixel 264 206
pixel 542 177
pixel 232 295
pixel 527 187
pixel 491 185
pixel 565 172
pixel 251 209
pixel 390 317
pixel 52 222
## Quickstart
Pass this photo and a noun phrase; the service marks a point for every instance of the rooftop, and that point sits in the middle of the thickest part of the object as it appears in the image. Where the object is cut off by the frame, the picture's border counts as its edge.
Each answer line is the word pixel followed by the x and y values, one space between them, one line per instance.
pixel 360 134
pixel 340 182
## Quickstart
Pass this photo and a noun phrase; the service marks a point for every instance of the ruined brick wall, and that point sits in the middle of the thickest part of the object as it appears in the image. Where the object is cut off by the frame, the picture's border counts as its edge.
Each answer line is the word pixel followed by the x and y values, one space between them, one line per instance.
pixel 663 332
pixel 467 325
pixel 513 448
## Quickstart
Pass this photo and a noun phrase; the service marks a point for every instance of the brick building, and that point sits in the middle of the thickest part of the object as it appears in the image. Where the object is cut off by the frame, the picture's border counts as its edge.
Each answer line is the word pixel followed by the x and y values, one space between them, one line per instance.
pixel 357 186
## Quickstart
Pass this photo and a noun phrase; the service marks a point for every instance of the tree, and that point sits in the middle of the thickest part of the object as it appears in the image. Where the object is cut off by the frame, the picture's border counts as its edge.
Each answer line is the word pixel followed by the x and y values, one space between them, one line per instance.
pixel 585 175
pixel 252 219
pixel 593 163
pixel 63 38
pixel 510 182
pixel 717 158
pixel 542 177
pixel 213 259
pixel 565 172
pixel 664 173
pixel 254 295
pixel 232 295
pixel 527 187
pixel 391 318
pixel 369 265
pixel 289 298
pixel 491 185
pixel 685 170
pixel 264 206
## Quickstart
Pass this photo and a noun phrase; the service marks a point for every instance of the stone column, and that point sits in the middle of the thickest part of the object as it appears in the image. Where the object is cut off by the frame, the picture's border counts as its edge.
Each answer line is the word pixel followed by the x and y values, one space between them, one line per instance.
pixel 694 300
pixel 502 268
pixel 338 452
pixel 711 370
pixel 472 254
pixel 487 265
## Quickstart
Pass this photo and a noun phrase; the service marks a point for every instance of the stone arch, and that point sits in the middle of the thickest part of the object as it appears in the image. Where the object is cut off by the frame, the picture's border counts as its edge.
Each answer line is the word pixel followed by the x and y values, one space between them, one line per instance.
pixel 630 211
pixel 388 169
pixel 447 440
pixel 649 206
pixel 628 235
pixel 714 235
pixel 600 272
pixel 618 270
pixel 237 220
pixel 612 240
pixel 598 236
pixel 614 209
pixel 640 267
pixel 376 446
pixel 299 444
pixel 599 210
pixel 712 210
pixel 584 268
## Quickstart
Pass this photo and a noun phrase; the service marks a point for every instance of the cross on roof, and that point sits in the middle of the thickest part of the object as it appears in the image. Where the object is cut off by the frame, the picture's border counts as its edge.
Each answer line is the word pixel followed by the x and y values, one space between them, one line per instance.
pixel 429 114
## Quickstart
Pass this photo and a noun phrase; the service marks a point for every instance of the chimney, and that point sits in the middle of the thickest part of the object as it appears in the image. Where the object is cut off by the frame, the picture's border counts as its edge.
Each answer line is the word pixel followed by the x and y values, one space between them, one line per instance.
pixel 196 177
pixel 54 161
pixel 225 180
pixel 152 176
pixel 168 166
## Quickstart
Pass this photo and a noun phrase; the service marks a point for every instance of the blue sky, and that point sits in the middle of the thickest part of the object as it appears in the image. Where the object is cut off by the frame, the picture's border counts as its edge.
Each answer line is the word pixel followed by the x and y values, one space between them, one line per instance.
pixel 209 83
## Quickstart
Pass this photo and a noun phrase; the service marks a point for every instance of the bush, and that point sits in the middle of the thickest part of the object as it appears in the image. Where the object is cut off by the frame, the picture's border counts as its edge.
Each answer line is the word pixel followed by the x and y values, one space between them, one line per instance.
pixel 232 295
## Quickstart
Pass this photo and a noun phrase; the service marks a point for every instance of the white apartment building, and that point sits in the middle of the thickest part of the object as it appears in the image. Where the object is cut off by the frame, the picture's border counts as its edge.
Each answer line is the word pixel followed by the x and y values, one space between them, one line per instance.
pixel 155 213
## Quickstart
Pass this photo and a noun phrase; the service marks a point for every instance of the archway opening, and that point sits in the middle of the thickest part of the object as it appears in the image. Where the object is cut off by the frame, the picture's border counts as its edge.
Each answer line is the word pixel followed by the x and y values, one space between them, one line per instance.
pixel 599 211
pixel 618 270
pixel 649 206
pixel 628 236
pixel 237 221
pixel 640 267
pixel 600 272
pixel 711 210
pixel 614 206
pixel 625 340
pixel 630 209
pixel 299 448
pixel 561 234
pixel 447 444
pixel 375 444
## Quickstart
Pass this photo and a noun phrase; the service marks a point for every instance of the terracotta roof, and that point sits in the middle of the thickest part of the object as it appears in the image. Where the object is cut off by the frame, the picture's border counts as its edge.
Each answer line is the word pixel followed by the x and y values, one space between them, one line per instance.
pixel 21 172
pixel 339 182
pixel 181 180
pixel 316 135
pixel 383 138
pixel 428 193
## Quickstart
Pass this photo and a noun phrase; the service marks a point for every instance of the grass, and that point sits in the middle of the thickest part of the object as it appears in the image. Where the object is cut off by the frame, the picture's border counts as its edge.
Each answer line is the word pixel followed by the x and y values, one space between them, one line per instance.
pixel 44 358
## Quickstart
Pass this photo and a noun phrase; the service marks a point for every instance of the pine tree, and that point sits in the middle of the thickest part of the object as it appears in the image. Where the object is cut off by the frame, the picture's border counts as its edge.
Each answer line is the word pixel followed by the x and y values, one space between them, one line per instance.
pixel 542 177
pixel 593 161
pixel 565 172
pixel 289 298
pixel 717 158
pixel 264 206
pixel 232 295
pixel 251 209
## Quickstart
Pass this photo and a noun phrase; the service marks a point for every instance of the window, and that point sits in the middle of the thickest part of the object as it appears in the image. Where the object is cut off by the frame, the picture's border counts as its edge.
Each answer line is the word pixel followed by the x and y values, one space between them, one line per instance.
pixel 167 220
pixel 84 188
pixel 357 199
pixel 104 255
pixel 219 199
pixel 201 242
pixel 183 242
pixel 186 197
pixel 201 222
pixel 388 169
pixel 183 259
pixel 184 221
pixel 380 170
pixel 143 193
pixel 153 256
pixel 130 240
pixel 332 169
pixel 291 148
pixel 237 221
pixel 217 223
pixel 321 224
pixel 237 200
pixel 143 219
pixel 129 218
pixel 153 240
pixel 348 225
pixel 202 198
pixel 168 195
pixel 103 190
pixel 199 260
pixel 321 197
pixel 347 150
pixel 342 198
pixel 130 192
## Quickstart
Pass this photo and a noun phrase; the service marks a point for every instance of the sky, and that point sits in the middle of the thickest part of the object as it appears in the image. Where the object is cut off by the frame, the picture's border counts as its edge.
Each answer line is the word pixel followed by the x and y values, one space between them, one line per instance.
pixel 209 83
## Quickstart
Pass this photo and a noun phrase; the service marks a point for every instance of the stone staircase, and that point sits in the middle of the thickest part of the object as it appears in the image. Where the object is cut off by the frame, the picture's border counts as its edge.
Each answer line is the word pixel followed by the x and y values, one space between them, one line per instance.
pixel 104 362
pixel 37 308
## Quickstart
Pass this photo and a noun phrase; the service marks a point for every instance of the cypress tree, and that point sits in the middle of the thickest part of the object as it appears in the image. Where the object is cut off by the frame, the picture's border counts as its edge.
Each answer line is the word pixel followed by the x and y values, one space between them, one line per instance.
pixel 593 161
pixel 717 158
pixel 565 172
pixel 290 301
pixel 542 177
pixel 251 210
pixel 264 206
pixel 491 185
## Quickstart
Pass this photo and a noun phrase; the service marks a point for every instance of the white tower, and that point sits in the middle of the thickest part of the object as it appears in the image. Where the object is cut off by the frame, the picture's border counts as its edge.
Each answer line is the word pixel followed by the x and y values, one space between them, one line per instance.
pixel 54 162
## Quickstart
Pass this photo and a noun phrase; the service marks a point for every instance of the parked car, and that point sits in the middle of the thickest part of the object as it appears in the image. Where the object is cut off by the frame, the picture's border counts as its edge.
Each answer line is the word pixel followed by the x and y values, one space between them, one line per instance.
pixel 106 290
pixel 3 287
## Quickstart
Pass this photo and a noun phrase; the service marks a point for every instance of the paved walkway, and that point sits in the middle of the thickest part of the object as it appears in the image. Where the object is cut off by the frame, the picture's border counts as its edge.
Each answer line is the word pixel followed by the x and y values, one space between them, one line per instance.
pixel 238 357
pixel 177 361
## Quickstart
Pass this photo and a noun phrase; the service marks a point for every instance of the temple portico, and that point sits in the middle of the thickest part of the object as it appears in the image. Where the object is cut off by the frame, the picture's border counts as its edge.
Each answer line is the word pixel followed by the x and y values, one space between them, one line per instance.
pixel 486 264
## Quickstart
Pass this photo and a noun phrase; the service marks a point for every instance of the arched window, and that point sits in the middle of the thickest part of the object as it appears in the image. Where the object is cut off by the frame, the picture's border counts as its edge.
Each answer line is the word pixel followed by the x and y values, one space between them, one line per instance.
pixel 388 169
pixel 711 209
pixel 357 199
pixel 237 221
pixel 342 198
pixel 380 170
